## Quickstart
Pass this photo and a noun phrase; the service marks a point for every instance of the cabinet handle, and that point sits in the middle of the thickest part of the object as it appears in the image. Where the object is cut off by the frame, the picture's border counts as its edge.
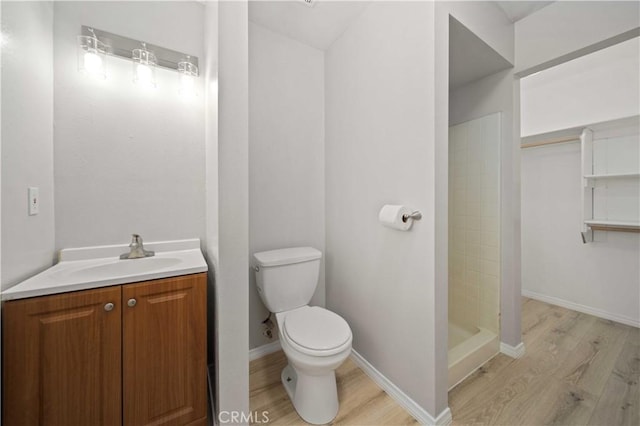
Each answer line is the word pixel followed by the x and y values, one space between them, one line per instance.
pixel 131 303
pixel 109 307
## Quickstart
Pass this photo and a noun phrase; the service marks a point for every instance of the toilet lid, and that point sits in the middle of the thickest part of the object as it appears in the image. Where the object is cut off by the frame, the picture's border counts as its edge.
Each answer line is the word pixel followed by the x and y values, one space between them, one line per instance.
pixel 316 328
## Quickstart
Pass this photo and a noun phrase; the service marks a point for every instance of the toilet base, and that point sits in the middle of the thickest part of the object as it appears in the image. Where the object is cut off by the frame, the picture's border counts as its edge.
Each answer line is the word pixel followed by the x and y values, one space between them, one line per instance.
pixel 315 398
pixel 289 379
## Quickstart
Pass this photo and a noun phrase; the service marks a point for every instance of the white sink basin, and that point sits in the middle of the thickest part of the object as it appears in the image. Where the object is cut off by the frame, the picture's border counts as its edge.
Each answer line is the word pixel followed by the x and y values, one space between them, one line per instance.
pixel 100 266
pixel 120 268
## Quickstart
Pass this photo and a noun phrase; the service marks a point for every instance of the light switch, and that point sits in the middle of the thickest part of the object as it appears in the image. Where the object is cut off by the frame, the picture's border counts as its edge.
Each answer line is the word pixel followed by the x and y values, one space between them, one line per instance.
pixel 34 201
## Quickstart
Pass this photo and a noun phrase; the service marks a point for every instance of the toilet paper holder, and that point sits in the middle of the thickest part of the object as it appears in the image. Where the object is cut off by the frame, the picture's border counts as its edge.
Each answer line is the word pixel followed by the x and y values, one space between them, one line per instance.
pixel 415 215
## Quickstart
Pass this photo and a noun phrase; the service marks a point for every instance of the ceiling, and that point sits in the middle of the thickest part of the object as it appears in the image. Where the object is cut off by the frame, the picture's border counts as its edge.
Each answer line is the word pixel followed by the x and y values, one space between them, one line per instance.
pixel 316 26
pixel 516 10
pixel 320 25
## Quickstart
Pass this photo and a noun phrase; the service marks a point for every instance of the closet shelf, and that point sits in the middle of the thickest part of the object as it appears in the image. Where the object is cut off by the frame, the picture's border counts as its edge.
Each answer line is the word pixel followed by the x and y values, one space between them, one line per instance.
pixel 614 147
pixel 613 176
pixel 613 225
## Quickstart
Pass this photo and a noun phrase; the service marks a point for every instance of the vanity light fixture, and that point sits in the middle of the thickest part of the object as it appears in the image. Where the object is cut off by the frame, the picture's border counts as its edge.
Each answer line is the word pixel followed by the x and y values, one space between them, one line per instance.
pixel 92 54
pixel 94 45
pixel 144 66
pixel 188 72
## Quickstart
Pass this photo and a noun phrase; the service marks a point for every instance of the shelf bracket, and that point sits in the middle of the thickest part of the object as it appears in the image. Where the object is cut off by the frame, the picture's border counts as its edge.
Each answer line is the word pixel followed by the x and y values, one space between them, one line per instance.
pixel 586 148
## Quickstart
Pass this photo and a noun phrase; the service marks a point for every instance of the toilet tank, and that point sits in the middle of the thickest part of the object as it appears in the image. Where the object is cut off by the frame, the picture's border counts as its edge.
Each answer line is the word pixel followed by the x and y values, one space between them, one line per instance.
pixel 287 278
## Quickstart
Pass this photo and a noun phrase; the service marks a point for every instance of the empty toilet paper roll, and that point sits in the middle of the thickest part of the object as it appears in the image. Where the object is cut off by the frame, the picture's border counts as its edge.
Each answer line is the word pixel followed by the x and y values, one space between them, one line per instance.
pixel 391 216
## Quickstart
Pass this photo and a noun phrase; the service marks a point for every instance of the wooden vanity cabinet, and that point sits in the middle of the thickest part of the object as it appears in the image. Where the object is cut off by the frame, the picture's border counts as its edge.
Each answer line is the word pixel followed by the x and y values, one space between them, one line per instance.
pixel 164 351
pixel 61 359
pixel 124 355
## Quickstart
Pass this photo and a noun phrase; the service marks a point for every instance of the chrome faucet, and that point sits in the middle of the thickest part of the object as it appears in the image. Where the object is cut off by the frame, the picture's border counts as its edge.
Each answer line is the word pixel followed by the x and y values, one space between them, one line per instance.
pixel 137 249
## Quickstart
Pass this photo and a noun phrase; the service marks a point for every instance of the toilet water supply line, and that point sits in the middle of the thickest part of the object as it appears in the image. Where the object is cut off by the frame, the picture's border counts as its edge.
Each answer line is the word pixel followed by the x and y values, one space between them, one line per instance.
pixel 268 324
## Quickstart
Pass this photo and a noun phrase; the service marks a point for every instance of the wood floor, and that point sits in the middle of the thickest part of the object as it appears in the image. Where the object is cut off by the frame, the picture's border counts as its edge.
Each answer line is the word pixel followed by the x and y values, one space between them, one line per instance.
pixel 578 370
pixel 362 402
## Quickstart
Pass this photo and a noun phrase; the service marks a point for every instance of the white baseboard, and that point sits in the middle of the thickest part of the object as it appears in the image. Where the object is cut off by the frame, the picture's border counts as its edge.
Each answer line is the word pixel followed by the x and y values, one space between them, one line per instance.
pixel 512 351
pixel 263 350
pixel 420 414
pixel 634 322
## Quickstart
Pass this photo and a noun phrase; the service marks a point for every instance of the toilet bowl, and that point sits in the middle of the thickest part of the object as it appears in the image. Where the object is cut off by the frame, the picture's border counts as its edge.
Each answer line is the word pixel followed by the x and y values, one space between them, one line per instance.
pixel 315 340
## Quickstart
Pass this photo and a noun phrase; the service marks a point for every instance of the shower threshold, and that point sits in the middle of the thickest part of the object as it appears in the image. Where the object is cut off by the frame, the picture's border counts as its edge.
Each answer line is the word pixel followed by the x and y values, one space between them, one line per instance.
pixel 471 353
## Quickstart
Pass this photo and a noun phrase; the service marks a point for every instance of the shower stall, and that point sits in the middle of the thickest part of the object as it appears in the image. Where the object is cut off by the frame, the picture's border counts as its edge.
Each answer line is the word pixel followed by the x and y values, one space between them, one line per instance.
pixel 480 123
pixel 474 244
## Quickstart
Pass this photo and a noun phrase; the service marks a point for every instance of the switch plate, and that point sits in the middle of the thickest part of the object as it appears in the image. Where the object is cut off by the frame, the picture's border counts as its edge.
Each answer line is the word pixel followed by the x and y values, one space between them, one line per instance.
pixel 34 201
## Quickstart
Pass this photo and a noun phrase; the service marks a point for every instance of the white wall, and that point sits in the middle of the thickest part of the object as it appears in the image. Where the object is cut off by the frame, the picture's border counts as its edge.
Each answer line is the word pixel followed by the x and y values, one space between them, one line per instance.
pixel 486 20
pixel 286 154
pixel 386 143
pixel 210 246
pixel 127 159
pixel 563 28
pixel 1 47
pixel 380 149
pixel 27 138
pixel 232 276
pixel 601 86
pixel 600 277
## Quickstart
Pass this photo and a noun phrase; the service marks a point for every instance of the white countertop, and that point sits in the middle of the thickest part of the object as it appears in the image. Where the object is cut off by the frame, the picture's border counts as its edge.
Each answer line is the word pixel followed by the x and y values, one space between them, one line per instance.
pixel 93 267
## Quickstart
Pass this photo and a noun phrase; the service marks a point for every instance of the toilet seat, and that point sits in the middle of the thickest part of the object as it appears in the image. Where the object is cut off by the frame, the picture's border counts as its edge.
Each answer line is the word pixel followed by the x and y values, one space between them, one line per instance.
pixel 316 331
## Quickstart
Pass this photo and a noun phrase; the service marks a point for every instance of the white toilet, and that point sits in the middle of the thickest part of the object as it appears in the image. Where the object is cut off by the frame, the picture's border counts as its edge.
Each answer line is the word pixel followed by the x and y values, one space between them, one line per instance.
pixel 316 341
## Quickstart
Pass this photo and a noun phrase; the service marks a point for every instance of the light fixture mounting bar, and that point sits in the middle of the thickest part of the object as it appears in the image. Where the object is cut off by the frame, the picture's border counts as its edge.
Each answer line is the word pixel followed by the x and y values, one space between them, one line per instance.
pixel 122 46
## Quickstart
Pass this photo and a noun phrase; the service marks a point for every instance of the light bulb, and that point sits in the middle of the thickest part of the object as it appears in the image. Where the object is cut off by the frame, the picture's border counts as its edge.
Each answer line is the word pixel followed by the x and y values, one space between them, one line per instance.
pixel 144 76
pixel 92 63
pixel 187 85
pixel 92 59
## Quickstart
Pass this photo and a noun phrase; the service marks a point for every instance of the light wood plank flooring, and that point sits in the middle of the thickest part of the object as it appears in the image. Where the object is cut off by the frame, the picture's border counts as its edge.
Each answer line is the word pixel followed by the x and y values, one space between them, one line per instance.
pixel 362 402
pixel 578 370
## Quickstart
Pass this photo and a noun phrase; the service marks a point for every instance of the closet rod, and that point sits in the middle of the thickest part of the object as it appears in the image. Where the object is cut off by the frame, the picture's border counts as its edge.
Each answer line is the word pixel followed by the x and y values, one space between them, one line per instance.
pixel 564 139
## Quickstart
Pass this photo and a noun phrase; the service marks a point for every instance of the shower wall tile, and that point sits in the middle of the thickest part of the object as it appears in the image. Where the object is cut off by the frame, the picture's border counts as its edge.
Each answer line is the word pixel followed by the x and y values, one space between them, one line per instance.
pixel 472 263
pixel 472 278
pixel 460 222
pixel 474 186
pixel 489 317
pixel 489 210
pixel 474 225
pixel 491 224
pixel 473 237
pixel 490 267
pixel 489 283
pixel 491 239
pixel 473 250
pixel 490 290
pixel 471 292
pixel 475 209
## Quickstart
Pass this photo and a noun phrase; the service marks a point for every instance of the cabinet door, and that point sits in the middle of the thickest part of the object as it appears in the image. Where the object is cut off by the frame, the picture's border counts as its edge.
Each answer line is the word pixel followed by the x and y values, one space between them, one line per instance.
pixel 62 359
pixel 164 351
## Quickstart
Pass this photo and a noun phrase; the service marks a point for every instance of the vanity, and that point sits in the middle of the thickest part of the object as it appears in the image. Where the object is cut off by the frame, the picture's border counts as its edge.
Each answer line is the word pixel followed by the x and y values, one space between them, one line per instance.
pixel 96 340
